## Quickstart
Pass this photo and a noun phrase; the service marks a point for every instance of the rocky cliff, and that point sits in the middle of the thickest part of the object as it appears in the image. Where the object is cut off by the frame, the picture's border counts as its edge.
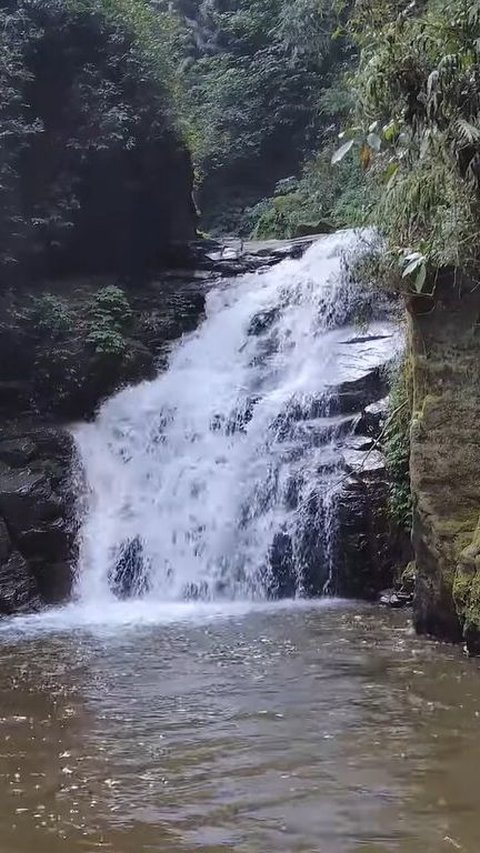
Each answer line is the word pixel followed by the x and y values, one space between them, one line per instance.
pixel 445 459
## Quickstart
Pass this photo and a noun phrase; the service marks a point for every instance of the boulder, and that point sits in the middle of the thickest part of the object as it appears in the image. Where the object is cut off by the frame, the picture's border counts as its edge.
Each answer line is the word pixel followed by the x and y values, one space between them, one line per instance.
pixel 37 531
pixel 18 589
pixel 26 499
pixel 366 556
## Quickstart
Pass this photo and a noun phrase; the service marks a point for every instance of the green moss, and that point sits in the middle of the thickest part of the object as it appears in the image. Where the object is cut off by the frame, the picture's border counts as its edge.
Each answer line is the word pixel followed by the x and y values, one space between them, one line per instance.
pixel 397 446
pixel 461 591
pixel 466 587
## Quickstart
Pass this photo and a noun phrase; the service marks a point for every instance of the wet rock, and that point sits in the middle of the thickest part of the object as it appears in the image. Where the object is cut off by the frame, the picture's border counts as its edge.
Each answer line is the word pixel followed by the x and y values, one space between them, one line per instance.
pixel 17 451
pixel 373 418
pixel 262 321
pixel 18 589
pixel 353 395
pixel 282 569
pixel 359 442
pixel 26 497
pixel 366 557
pixel 396 599
pixel 5 542
pixel 129 576
pixel 38 528
pixel 54 579
pixel 47 539
pixel 360 377
pixel 369 463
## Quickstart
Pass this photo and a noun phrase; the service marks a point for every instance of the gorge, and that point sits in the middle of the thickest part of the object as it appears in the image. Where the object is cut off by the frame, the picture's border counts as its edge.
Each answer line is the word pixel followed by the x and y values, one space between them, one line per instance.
pixel 239 398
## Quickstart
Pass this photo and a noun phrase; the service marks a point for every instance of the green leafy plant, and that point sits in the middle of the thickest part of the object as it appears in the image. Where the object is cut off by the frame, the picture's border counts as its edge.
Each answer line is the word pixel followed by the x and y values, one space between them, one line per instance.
pixel 110 317
pixel 416 128
pixel 48 317
pixel 396 444
pixel 321 199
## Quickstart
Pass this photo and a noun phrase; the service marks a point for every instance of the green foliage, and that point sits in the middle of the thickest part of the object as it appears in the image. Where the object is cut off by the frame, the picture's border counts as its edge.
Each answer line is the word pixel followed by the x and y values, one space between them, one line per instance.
pixel 321 198
pixel 49 317
pixel 110 317
pixel 75 344
pixel 79 80
pixel 419 82
pixel 256 73
pixel 397 446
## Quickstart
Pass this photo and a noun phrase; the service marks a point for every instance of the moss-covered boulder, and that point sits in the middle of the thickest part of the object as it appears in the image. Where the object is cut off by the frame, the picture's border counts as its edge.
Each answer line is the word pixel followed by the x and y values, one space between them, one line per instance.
pixel 445 457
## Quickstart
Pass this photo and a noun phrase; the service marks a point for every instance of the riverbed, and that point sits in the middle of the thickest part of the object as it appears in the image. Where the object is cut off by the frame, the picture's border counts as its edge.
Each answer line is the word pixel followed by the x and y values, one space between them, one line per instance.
pixel 327 728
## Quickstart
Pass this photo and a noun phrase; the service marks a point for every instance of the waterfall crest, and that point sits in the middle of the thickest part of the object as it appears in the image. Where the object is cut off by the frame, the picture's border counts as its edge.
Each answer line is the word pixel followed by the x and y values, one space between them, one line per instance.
pixel 218 478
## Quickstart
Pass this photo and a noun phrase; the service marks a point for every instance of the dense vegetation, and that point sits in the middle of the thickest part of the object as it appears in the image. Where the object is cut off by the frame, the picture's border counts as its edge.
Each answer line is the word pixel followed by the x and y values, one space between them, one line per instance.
pixel 88 112
pixel 262 94
pixel 258 90
pixel 417 129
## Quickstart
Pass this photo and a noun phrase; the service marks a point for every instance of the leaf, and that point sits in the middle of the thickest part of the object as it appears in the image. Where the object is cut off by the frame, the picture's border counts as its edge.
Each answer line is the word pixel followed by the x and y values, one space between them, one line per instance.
pixel 342 152
pixel 420 278
pixel 416 260
pixel 413 256
pixel 390 173
pixel 374 141
pixel 468 133
pixel 390 131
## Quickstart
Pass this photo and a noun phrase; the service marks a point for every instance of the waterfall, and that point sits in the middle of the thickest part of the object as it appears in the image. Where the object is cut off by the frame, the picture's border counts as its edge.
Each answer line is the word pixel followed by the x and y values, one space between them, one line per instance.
pixel 218 478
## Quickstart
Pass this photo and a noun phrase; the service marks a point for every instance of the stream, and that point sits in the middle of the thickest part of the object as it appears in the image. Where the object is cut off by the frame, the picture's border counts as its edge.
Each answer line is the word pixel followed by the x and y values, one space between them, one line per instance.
pixel 278 727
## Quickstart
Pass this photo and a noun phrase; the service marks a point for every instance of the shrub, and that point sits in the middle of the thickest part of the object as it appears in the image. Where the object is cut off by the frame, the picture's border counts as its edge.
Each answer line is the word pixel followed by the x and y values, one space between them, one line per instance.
pixel 49 317
pixel 110 317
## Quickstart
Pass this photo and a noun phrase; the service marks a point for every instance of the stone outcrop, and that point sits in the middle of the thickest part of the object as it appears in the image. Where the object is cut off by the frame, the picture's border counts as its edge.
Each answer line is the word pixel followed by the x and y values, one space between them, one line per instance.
pixel 370 548
pixel 37 520
pixel 445 459
pixel 348 544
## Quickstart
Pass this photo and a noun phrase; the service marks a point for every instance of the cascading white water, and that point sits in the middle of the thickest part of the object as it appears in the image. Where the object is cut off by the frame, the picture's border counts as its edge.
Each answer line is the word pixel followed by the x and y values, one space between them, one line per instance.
pixel 208 480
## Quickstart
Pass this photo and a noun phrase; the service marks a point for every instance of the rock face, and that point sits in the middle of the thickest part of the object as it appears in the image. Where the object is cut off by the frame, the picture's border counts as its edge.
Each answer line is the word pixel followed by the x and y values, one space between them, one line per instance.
pixel 445 460
pixel 37 526
pixel 368 547
pixel 350 546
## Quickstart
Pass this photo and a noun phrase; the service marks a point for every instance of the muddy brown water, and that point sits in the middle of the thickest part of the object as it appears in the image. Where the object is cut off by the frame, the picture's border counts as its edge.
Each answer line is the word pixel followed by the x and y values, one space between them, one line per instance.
pixel 286 728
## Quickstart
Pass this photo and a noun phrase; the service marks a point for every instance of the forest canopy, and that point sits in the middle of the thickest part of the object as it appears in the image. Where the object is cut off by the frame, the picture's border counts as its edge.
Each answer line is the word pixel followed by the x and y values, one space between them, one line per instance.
pixel 264 95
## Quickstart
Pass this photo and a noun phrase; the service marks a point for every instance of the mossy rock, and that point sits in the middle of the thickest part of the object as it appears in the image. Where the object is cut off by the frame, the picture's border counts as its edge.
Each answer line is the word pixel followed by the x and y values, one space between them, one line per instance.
pixel 308 229
pixel 466 592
